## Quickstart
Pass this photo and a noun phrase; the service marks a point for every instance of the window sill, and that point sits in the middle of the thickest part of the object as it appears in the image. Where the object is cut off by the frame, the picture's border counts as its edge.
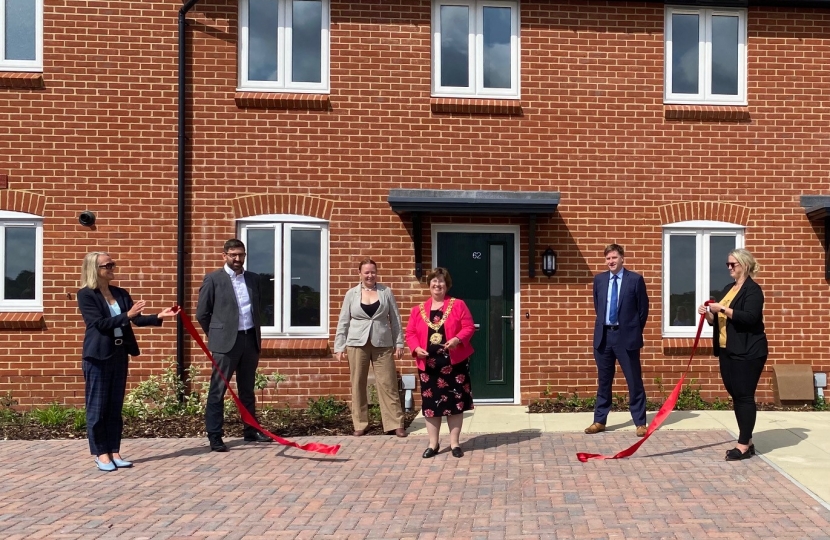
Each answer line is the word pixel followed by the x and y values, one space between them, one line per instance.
pixel 707 113
pixel 20 79
pixel 683 347
pixel 501 107
pixel 22 321
pixel 309 347
pixel 276 100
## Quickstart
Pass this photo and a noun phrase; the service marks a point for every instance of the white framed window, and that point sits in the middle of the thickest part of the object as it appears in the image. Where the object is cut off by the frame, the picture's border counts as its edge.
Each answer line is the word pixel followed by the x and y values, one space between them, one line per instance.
pixel 21 249
pixel 475 48
pixel 705 56
pixel 21 35
pixel 694 270
pixel 284 45
pixel 291 255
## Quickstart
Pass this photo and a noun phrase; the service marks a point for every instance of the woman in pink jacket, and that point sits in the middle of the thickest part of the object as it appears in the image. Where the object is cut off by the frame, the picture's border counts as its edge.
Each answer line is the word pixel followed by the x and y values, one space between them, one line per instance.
pixel 438 334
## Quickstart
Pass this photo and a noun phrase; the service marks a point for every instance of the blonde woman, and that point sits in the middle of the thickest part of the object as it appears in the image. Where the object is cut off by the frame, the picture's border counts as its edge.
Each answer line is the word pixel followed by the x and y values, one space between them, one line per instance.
pixel 740 344
pixel 109 314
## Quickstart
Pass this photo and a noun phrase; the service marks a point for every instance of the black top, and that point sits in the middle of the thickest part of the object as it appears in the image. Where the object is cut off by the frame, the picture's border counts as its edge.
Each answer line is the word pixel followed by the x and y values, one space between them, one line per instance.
pixel 371 309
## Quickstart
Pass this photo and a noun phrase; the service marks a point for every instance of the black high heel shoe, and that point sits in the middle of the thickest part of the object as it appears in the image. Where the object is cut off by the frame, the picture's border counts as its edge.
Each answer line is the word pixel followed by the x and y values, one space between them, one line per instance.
pixel 737 455
pixel 430 452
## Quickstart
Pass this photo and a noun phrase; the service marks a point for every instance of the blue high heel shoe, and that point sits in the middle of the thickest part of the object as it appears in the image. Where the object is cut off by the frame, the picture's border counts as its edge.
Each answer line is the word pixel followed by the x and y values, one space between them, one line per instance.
pixel 122 463
pixel 106 467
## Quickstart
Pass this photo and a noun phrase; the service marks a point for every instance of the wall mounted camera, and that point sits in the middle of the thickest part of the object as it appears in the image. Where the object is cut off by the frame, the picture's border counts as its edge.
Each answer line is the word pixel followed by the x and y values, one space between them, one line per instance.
pixel 86 218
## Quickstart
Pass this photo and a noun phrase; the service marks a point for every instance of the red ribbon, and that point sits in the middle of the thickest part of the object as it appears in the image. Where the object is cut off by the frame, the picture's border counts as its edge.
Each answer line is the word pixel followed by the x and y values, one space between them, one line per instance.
pixel 247 417
pixel 664 411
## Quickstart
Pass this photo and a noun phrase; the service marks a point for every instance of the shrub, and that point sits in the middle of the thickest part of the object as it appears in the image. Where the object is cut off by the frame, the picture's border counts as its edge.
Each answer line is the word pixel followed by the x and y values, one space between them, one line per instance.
pixel 325 409
pixel 55 415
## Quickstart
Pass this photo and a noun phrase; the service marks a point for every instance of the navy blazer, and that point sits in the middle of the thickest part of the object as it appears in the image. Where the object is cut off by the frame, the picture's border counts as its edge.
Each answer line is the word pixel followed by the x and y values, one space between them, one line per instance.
pixel 745 337
pixel 633 310
pixel 99 338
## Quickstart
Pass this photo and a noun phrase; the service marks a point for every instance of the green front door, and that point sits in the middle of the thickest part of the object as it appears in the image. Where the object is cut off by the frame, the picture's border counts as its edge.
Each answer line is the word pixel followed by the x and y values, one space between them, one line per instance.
pixel 482 270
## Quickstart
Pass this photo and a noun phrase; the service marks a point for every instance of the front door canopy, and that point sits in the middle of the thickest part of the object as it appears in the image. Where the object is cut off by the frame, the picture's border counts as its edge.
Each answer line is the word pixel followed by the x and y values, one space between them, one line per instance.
pixel 455 202
pixel 466 202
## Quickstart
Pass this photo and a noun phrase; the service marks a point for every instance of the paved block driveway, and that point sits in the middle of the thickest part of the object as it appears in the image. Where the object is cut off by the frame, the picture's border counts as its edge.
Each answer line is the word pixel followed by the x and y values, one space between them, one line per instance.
pixel 524 485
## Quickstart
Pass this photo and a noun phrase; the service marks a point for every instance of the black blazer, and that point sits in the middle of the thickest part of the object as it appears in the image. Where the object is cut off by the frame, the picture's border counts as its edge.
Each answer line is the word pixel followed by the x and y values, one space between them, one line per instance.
pixel 745 337
pixel 99 338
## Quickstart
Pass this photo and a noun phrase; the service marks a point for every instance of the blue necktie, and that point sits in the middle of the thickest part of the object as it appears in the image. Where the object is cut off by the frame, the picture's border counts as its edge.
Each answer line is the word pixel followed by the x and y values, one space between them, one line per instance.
pixel 612 315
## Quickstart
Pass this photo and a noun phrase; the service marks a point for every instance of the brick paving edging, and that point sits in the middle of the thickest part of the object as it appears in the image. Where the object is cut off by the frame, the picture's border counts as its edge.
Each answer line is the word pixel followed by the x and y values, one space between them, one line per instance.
pixel 524 485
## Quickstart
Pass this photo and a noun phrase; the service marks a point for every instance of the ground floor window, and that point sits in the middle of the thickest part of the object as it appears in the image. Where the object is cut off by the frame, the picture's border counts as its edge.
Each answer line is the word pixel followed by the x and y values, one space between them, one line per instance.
pixel 694 257
pixel 21 250
pixel 290 253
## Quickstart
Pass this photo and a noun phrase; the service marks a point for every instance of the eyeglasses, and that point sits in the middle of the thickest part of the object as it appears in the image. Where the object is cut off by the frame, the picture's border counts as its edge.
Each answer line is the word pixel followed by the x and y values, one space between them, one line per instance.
pixel 235 255
pixel 732 265
pixel 108 266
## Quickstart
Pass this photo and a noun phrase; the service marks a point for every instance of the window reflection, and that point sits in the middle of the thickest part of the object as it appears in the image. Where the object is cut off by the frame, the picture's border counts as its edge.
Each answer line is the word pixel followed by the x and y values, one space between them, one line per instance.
pixel 455 46
pixel 725 55
pixel 20 30
pixel 260 248
pixel 306 45
pixel 305 277
pixel 685 54
pixel 20 263
pixel 263 22
pixel 496 47
pixel 719 278
pixel 682 266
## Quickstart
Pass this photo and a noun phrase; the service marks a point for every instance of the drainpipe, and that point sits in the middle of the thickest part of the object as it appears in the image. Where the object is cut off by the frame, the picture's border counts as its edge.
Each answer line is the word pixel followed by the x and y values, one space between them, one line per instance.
pixel 182 148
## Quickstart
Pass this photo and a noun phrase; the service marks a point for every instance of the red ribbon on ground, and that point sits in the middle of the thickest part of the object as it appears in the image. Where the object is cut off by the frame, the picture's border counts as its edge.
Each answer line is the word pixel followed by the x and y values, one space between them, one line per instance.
pixel 246 416
pixel 662 414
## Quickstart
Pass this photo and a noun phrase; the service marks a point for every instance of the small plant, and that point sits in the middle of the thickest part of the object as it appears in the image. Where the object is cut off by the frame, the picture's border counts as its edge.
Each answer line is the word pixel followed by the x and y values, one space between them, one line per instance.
pixel 325 409
pixel 689 398
pixel 721 404
pixel 55 415
pixel 79 422
pixel 821 405
pixel 262 382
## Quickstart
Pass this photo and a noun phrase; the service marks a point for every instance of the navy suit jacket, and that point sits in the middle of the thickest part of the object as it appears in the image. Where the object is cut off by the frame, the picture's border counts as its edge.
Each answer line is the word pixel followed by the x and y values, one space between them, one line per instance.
pixel 99 337
pixel 633 308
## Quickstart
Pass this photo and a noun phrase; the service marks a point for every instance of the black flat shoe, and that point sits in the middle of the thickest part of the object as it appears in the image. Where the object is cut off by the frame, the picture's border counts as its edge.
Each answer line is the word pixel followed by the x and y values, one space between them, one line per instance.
pixel 737 455
pixel 752 449
pixel 430 452
pixel 457 452
pixel 257 437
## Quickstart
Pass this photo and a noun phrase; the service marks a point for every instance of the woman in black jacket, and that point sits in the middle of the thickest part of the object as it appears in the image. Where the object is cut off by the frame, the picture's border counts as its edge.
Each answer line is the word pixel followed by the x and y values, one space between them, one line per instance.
pixel 740 344
pixel 109 314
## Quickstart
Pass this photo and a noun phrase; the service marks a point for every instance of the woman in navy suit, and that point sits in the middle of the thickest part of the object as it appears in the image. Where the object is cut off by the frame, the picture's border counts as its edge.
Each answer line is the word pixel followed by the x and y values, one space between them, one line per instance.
pixel 740 343
pixel 109 314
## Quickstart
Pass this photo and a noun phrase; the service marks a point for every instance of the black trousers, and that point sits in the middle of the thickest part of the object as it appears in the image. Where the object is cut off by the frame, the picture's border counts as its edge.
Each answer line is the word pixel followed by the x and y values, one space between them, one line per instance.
pixel 106 383
pixel 740 377
pixel 243 360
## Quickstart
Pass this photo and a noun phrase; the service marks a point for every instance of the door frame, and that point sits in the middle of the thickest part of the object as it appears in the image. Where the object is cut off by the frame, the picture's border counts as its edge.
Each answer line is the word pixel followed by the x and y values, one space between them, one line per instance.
pixel 515 230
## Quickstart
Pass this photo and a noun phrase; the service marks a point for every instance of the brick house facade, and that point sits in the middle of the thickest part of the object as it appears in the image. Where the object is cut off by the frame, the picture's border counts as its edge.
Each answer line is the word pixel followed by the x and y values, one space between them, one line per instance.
pixel 589 125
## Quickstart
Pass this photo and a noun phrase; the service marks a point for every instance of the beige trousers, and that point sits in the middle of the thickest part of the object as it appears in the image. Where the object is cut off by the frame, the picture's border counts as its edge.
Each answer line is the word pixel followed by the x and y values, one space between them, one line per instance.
pixel 386 382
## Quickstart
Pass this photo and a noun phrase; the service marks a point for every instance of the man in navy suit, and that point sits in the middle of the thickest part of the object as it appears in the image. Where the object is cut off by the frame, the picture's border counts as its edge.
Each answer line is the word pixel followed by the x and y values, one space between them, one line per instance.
pixel 621 305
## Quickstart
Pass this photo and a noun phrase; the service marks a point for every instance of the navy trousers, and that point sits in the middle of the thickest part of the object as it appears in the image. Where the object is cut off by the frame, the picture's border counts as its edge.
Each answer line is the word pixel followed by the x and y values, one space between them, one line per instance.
pixel 106 383
pixel 243 360
pixel 606 357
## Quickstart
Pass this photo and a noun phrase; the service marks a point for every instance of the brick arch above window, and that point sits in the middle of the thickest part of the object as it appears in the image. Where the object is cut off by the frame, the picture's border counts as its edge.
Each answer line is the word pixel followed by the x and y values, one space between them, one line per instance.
pixel 704 211
pixel 302 205
pixel 22 201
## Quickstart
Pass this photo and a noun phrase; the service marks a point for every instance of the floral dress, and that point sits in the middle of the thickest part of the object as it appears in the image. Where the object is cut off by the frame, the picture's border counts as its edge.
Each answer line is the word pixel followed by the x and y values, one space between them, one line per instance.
pixel 445 387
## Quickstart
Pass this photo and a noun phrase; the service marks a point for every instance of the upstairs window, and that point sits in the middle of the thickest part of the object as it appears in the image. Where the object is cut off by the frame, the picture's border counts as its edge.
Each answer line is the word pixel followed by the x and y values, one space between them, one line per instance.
pixel 21 35
pixel 21 250
pixel 694 270
pixel 290 254
pixel 475 48
pixel 284 45
pixel 705 56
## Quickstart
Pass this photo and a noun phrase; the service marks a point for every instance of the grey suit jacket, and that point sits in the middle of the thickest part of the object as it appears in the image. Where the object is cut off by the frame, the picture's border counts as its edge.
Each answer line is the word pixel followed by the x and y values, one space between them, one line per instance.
pixel 218 310
pixel 355 328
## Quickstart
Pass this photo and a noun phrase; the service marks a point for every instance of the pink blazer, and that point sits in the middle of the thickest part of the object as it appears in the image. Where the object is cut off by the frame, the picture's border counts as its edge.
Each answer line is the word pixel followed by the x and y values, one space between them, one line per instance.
pixel 459 324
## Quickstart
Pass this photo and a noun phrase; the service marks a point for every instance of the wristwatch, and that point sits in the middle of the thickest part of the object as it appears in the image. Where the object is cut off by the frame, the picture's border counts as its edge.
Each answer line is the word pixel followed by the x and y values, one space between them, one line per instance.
pixel 723 310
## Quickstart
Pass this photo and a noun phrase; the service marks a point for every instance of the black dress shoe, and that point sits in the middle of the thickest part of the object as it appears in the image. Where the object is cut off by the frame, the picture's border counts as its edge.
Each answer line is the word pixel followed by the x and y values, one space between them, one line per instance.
pixel 430 452
pixel 257 437
pixel 457 452
pixel 752 449
pixel 737 455
pixel 216 444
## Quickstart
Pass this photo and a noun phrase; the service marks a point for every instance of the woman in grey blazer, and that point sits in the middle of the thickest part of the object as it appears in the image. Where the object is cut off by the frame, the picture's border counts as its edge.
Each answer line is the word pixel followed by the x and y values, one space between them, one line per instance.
pixel 369 331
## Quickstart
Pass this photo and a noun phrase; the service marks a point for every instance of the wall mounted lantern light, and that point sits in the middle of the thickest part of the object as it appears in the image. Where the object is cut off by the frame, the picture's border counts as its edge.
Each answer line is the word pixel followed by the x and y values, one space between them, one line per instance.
pixel 549 262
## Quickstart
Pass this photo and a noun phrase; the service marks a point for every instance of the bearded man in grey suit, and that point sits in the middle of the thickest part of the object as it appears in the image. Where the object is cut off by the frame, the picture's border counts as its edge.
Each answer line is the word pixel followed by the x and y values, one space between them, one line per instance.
pixel 229 313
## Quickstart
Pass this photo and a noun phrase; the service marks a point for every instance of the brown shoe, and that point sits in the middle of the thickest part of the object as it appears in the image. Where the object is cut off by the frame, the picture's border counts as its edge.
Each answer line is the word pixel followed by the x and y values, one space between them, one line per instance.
pixel 359 432
pixel 596 427
pixel 641 431
pixel 401 432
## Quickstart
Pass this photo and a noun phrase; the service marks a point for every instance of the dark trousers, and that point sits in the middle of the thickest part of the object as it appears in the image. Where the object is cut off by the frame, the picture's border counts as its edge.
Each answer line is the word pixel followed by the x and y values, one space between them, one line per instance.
pixel 106 382
pixel 243 360
pixel 609 353
pixel 740 377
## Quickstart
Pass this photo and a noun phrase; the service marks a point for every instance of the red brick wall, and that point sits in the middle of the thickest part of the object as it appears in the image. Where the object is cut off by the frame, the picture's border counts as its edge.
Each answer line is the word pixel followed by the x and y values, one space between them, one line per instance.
pixel 100 134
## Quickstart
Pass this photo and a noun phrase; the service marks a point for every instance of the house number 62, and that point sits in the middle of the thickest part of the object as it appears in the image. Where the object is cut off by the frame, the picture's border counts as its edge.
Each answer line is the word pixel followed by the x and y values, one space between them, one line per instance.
pixel 476 254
